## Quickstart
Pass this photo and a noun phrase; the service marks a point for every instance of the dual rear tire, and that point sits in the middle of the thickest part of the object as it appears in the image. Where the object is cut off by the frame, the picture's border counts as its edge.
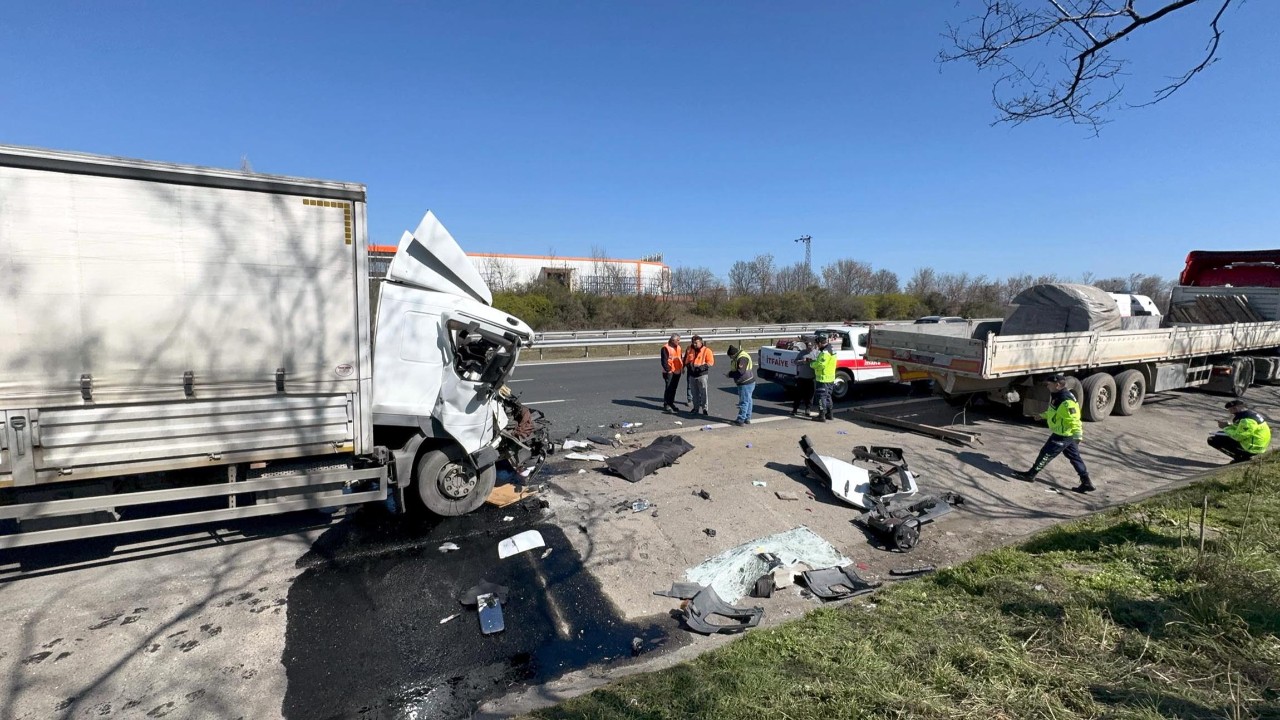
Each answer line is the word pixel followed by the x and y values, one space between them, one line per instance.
pixel 1102 394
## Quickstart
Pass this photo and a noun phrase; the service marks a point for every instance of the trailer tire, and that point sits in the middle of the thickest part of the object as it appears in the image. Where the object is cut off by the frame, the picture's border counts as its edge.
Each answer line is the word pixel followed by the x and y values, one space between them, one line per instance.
pixel 1076 388
pixel 448 486
pixel 843 385
pixel 1131 390
pixel 1099 396
pixel 1241 375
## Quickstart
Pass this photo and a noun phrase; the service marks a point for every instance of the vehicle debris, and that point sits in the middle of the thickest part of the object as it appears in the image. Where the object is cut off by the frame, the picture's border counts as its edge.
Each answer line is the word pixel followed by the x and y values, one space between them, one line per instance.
pixel 706 613
pixel 546 553
pixel 710 532
pixel 733 573
pixel 471 595
pixel 491 620
pixel 891 477
pixel 837 583
pixel 702 494
pixel 786 495
pixel 952 436
pixel 576 445
pixel 641 505
pixel 912 571
pixel 508 518
pixel 899 520
pixel 593 457
pixel 680 590
pixel 451 617
pixel 759 483
pixel 516 544
pixel 504 495
pixel 598 440
pixel 662 452
pixel 448 547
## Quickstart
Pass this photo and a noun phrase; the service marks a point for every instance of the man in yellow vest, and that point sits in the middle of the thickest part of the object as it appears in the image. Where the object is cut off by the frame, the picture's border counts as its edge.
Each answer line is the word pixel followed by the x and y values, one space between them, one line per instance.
pixel 1245 437
pixel 745 378
pixel 1064 422
pixel 824 377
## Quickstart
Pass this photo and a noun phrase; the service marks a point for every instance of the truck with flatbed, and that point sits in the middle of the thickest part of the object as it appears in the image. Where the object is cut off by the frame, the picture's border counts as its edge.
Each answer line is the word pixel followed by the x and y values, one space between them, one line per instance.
pixel 1110 371
pixel 187 345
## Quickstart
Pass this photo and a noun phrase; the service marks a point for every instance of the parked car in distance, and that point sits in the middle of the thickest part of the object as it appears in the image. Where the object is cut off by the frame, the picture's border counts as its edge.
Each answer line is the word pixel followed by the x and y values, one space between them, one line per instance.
pixel 934 319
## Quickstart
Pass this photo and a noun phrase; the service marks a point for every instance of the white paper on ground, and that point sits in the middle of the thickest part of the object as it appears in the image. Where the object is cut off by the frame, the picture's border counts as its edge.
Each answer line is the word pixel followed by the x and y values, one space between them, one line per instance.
pixel 596 457
pixel 516 544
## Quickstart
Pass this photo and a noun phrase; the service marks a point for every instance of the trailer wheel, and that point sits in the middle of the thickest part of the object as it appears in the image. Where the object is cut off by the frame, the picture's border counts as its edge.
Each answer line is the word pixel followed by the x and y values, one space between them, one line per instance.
pixel 1099 396
pixel 1075 387
pixel 843 384
pixel 1241 375
pixel 1131 390
pixel 449 486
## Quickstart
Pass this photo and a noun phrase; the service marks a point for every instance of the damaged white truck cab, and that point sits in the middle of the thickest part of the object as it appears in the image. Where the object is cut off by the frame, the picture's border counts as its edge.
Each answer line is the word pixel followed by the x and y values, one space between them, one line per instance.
pixel 442 355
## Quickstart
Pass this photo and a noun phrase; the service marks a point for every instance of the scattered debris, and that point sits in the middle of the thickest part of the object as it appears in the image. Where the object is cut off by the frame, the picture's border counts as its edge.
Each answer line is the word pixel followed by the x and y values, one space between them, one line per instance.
pixel 677 422
pixel 837 583
pixel 707 614
pixel 471 596
pixel 1038 588
pixel 680 590
pixel 707 427
pixel 445 620
pixel 582 471
pixel 448 547
pixel 641 505
pixel 491 620
pixel 900 520
pixel 629 425
pixel 653 514
pixel 508 518
pixel 858 486
pixel 662 452
pixel 577 445
pixel 954 436
pixel 764 586
pixel 748 446
pixel 593 457
pixel 759 483
pixel 637 646
pixel 785 495
pixel 733 573
pixel 702 494
pixel 912 571
pixel 709 531
pixel 546 553
pixel 516 544
pixel 598 440
pixel 842 432
pixel 504 495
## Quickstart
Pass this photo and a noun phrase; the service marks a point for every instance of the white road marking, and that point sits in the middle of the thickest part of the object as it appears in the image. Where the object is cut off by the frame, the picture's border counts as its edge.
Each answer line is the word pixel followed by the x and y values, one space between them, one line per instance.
pixel 545 402
pixel 519 380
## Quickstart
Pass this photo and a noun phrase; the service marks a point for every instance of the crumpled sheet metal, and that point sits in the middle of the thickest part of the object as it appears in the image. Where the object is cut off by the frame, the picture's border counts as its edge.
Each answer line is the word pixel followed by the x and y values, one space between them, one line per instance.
pixel 733 572
pixel 837 583
pixel 708 614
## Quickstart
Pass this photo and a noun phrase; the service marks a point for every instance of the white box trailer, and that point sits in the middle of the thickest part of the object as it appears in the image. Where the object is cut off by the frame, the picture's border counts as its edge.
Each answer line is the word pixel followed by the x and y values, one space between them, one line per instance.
pixel 182 333
pixel 1110 371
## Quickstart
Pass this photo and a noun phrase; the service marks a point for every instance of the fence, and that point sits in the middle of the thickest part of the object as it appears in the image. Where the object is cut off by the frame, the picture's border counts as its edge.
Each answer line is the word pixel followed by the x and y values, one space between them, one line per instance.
pixel 587 339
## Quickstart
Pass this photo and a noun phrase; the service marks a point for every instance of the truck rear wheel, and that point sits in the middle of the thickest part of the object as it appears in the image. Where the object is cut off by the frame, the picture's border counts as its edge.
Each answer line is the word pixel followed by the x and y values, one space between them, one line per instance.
pixel 449 486
pixel 842 386
pixel 1241 375
pixel 1131 390
pixel 1099 396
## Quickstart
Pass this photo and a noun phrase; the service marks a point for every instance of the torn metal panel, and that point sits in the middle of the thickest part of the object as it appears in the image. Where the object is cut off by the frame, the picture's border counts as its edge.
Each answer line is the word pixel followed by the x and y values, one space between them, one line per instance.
pixel 521 542
pixel 899 520
pixel 708 614
pixel 733 572
pixel 837 583
pixel 856 485
pixel 429 258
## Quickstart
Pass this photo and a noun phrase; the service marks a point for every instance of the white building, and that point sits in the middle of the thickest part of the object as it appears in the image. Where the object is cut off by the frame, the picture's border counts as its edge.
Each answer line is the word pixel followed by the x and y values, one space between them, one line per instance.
pixel 603 276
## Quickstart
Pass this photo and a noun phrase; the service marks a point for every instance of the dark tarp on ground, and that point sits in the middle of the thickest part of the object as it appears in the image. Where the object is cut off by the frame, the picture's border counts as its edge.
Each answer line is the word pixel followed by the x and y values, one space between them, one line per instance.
pixel 1059 308
pixel 661 452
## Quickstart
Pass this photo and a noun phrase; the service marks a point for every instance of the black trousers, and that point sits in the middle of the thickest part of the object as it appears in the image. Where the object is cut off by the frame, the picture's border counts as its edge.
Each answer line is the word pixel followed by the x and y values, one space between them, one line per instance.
pixel 1058 445
pixel 1228 445
pixel 803 394
pixel 669 394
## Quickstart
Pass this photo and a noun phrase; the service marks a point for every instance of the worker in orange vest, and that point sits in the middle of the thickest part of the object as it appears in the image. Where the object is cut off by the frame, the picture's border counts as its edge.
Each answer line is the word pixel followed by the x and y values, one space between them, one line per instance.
pixel 672 364
pixel 698 360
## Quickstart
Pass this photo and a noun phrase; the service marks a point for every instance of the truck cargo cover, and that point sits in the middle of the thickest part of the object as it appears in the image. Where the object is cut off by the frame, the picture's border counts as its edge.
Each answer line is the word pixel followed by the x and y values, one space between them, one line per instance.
pixel 429 258
pixel 1061 308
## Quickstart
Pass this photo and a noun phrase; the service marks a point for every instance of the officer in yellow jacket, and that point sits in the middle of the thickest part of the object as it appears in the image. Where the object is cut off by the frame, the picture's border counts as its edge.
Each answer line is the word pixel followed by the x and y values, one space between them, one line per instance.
pixel 824 377
pixel 1246 436
pixel 1064 422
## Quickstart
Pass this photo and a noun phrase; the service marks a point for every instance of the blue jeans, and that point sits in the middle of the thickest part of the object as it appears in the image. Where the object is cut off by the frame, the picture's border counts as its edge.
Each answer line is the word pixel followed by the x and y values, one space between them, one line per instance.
pixel 744 401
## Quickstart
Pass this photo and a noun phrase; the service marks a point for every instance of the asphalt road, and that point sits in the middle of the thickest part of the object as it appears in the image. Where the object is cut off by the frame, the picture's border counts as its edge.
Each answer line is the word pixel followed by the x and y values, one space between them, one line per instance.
pixel 596 393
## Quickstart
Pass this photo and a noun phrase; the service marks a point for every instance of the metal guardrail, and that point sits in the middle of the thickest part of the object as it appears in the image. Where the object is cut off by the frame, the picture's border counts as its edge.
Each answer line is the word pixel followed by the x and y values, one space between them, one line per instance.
pixel 587 339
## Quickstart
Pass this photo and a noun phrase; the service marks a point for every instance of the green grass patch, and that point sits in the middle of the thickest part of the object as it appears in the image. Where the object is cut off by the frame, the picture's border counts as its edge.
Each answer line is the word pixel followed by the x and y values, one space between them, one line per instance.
pixel 1118 615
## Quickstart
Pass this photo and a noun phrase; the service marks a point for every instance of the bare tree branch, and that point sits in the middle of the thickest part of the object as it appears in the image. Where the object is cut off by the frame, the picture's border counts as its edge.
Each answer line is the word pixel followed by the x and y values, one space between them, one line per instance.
pixel 1004 38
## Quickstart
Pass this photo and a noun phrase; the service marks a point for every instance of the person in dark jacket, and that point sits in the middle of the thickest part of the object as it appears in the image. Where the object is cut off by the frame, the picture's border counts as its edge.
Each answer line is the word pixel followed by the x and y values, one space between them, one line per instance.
pixel 744 377
pixel 1064 422
pixel 1245 437
pixel 804 379
pixel 672 363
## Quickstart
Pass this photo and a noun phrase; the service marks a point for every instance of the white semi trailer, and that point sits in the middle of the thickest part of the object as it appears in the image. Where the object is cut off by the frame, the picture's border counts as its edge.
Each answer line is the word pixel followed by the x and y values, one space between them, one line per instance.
pixel 185 345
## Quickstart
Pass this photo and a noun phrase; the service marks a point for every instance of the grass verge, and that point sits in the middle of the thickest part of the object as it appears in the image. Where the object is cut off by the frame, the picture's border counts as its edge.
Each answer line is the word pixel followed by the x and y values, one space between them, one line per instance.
pixel 1118 615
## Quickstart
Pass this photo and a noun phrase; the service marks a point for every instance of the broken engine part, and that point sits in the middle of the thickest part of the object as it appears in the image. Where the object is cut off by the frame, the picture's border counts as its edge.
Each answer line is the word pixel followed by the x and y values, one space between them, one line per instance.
pixel 837 583
pixel 899 521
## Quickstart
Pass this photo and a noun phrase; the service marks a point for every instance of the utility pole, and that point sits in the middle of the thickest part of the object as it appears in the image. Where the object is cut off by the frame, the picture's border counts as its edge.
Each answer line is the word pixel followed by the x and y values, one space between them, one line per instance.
pixel 808 253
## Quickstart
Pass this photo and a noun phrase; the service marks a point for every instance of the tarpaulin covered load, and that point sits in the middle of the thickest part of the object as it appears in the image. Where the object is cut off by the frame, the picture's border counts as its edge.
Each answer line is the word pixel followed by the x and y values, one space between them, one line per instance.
pixel 661 452
pixel 1059 308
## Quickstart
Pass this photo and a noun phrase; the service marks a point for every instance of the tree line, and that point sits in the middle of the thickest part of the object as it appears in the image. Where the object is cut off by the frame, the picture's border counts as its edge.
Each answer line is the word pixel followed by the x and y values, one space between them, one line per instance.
pixel 758 290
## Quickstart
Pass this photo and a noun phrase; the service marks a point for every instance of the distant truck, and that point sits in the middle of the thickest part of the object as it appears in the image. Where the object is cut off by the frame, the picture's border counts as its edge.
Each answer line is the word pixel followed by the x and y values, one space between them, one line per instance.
pixel 1110 371
pixel 777 362
pixel 186 345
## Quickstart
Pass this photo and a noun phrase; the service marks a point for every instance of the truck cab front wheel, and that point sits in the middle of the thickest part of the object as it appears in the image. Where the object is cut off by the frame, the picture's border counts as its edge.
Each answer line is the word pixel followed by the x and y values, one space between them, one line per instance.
pixel 843 385
pixel 448 485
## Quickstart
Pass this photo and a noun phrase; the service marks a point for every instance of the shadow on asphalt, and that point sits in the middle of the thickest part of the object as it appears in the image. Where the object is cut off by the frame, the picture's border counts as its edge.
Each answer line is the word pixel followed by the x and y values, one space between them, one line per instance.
pixel 364 635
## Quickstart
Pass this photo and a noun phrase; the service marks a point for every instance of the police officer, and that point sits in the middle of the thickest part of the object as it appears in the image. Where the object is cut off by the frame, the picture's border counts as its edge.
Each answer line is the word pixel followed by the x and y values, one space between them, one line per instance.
pixel 1246 436
pixel 804 379
pixel 745 378
pixel 824 376
pixel 1064 422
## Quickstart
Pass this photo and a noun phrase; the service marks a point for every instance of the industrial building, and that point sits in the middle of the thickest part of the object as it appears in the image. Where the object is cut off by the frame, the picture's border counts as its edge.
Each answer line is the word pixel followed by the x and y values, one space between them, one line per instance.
pixel 602 276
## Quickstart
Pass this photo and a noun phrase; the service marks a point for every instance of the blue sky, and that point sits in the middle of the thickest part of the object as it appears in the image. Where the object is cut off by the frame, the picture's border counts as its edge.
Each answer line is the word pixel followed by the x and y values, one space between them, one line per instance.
pixel 708 131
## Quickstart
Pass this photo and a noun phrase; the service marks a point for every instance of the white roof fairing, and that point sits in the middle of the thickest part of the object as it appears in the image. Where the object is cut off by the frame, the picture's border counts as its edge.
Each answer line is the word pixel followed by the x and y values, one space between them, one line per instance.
pixel 431 259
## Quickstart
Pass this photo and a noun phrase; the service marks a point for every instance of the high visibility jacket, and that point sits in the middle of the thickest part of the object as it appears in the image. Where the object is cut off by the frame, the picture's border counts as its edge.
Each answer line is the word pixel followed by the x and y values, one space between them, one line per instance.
pixel 699 360
pixel 1250 430
pixel 671 359
pixel 824 367
pixel 742 373
pixel 1064 415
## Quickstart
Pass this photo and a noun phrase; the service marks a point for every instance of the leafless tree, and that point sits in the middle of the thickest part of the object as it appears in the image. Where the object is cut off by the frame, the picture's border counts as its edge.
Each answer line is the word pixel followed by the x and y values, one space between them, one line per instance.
pixel 754 277
pixel 500 275
pixel 693 282
pixel 1019 39
pixel 793 278
pixel 884 282
pixel 847 277
pixel 923 282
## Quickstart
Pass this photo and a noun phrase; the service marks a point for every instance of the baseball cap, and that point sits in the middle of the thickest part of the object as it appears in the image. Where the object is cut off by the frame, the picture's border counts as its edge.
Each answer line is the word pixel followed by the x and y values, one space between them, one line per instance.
pixel 1234 404
pixel 1056 378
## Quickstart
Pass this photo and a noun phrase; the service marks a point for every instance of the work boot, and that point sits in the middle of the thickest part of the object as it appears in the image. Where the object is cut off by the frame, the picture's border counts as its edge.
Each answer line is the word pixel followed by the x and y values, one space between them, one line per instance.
pixel 822 418
pixel 668 409
pixel 739 423
pixel 1025 475
pixel 830 416
pixel 1085 486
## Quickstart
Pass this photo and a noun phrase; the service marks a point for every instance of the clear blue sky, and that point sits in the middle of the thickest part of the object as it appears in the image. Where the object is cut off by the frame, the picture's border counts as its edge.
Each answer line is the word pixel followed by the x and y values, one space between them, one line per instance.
pixel 708 131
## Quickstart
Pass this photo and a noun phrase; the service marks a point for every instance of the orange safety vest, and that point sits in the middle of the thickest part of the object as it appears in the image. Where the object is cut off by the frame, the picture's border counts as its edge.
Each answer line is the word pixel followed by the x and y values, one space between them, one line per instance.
pixel 699 356
pixel 672 358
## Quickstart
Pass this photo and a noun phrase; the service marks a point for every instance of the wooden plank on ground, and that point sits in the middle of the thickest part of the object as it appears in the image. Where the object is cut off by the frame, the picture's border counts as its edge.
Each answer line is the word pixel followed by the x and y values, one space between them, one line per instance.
pixel 504 495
